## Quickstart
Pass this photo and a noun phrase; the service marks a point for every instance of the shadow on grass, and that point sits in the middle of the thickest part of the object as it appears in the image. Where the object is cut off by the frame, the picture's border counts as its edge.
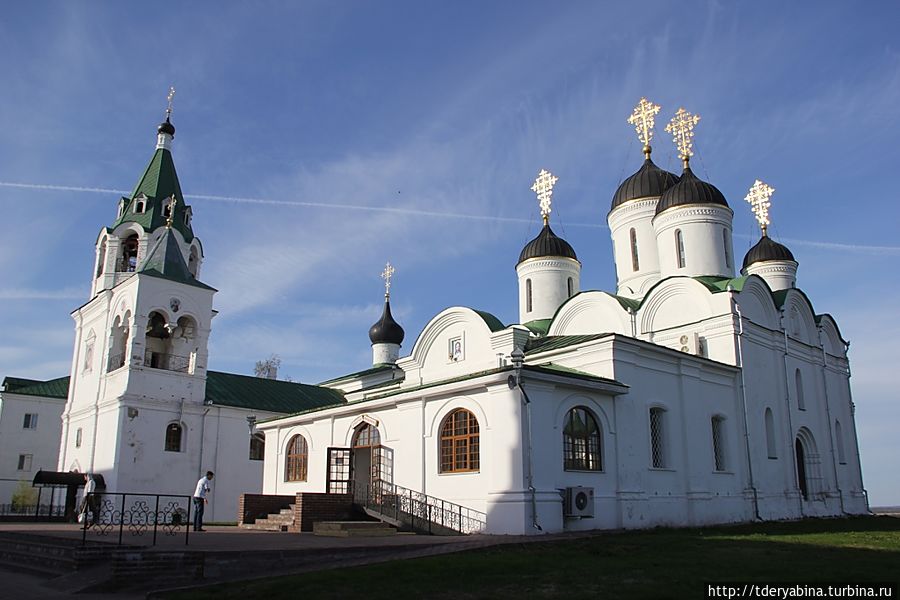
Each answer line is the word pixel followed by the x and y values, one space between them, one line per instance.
pixel 663 563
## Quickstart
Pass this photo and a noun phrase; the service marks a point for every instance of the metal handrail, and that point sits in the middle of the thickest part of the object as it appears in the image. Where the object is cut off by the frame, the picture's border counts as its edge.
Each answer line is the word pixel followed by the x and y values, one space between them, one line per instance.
pixel 105 512
pixel 418 510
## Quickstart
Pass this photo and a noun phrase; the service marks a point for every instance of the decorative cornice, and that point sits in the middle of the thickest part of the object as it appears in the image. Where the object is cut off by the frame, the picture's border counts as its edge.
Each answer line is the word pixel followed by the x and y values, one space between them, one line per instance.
pixel 688 211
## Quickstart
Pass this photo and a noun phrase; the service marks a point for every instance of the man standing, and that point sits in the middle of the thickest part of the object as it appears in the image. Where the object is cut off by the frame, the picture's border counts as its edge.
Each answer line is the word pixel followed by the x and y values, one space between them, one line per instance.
pixel 87 500
pixel 200 500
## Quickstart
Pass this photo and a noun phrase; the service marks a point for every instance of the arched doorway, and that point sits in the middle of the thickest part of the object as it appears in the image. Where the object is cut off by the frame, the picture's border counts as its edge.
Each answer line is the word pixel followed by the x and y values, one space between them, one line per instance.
pixel 366 441
pixel 808 472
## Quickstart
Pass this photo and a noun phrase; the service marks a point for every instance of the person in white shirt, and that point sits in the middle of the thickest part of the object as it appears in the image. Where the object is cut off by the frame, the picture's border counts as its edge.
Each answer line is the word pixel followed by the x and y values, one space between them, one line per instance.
pixel 87 500
pixel 200 500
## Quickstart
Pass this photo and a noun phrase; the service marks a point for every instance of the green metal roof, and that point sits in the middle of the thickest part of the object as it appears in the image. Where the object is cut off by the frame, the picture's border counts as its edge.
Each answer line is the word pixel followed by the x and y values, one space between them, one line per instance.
pixel 375 369
pixel 493 323
pixel 721 284
pixel 555 342
pixel 52 388
pixel 159 182
pixel 166 261
pixel 539 326
pixel 272 395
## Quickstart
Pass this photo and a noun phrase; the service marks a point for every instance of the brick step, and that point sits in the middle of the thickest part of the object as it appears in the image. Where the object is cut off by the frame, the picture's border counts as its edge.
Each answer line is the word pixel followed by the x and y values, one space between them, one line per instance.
pixel 39 564
pixel 353 529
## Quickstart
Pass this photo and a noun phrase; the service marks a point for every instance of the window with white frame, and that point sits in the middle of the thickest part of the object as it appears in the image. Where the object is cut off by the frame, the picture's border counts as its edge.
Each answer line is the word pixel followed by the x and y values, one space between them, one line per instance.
pixel 658 458
pixel 25 462
pixel 30 421
pixel 718 443
pixel 78 435
pixel 679 248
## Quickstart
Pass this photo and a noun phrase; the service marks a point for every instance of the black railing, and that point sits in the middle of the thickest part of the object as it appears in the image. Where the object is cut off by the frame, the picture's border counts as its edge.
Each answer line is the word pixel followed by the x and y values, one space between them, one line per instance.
pixel 114 513
pixel 419 511
pixel 168 362
pixel 116 361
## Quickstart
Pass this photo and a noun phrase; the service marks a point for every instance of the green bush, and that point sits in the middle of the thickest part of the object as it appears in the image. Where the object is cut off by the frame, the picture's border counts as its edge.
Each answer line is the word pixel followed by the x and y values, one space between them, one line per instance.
pixel 25 496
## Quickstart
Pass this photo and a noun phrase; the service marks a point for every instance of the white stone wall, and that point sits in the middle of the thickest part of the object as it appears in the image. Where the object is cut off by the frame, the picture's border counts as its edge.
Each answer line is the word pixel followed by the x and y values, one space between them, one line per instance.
pixel 549 285
pixel 637 215
pixel 40 442
pixel 704 245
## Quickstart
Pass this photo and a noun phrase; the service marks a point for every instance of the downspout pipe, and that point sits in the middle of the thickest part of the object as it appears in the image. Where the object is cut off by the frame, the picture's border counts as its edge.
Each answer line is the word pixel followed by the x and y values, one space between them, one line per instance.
pixel 740 349
pixel 518 359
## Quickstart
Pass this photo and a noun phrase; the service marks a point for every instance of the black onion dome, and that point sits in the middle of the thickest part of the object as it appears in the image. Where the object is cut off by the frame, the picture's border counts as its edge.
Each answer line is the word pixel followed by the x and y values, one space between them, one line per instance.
pixel 649 181
pixel 166 127
pixel 547 243
pixel 767 249
pixel 690 190
pixel 386 330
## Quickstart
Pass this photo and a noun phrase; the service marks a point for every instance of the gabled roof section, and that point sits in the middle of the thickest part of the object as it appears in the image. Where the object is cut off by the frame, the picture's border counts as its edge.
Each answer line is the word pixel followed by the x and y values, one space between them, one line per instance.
pixel 159 182
pixel 52 388
pixel 539 326
pixel 271 395
pixel 721 284
pixel 166 261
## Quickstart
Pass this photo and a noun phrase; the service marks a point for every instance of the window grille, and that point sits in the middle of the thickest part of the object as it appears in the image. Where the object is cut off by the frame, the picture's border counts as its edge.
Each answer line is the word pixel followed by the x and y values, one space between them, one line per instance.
pixel 581 441
pixel 173 438
pixel 657 438
pixel 718 440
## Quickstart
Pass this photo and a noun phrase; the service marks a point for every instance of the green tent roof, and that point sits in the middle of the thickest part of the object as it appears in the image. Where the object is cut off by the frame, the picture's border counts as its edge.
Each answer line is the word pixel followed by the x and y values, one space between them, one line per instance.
pixel 245 391
pixel 53 388
pixel 166 261
pixel 159 182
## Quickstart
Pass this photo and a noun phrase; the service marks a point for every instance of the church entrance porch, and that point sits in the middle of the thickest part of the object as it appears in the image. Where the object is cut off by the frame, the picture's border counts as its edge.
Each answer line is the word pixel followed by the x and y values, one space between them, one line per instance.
pixel 362 468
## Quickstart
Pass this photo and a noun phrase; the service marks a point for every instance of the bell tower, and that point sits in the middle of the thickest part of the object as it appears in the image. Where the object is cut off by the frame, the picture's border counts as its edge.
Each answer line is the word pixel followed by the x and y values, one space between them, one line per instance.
pixel 138 375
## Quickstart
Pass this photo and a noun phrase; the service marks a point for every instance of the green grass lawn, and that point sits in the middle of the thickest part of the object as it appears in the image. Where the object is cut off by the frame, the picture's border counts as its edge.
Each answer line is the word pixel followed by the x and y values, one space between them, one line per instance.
pixel 662 563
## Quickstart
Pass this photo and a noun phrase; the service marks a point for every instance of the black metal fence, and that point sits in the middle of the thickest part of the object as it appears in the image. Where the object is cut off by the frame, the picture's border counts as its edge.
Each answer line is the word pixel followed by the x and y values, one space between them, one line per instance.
pixel 419 511
pixel 115 514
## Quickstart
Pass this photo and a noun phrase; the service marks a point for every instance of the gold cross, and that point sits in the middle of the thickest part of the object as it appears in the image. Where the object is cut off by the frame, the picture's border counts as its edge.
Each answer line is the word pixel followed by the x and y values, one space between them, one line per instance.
pixel 172 202
pixel 543 187
pixel 643 118
pixel 759 195
pixel 682 129
pixel 170 97
pixel 386 275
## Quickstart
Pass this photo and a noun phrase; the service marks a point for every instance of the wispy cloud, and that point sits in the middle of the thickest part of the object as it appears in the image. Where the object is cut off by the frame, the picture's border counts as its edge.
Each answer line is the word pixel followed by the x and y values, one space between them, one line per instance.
pixel 30 294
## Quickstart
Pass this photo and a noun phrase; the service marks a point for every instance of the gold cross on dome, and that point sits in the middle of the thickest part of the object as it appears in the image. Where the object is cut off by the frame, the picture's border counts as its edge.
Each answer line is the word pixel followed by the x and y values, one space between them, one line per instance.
pixel 170 97
pixel 386 275
pixel 759 195
pixel 172 202
pixel 543 187
pixel 643 119
pixel 682 129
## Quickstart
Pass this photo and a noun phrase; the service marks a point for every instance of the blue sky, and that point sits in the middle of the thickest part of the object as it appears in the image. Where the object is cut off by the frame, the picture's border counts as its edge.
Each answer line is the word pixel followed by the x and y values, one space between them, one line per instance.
pixel 351 133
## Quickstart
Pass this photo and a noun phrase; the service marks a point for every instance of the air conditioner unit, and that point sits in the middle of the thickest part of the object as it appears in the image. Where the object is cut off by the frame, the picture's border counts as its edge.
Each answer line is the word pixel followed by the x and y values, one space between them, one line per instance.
pixel 690 343
pixel 579 502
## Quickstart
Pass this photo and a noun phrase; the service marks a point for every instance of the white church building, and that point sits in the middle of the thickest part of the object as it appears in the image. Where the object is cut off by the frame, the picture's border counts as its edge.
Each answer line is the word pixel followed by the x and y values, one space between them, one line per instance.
pixel 693 394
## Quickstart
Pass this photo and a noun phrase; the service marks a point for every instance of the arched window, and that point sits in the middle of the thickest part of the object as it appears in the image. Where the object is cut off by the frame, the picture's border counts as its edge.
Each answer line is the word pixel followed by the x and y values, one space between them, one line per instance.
pixel 679 248
pixel 129 254
pixel 727 242
pixel 770 434
pixel 139 205
pixel 167 208
pixel 798 383
pixel 257 446
pixel 297 459
pixel 188 213
pixel 366 436
pixel 635 263
pixel 459 442
pixel 527 295
pixel 78 438
pixel 101 258
pixel 718 442
pixel 570 286
pixel 119 345
pixel 193 261
pixel 839 442
pixel 581 441
pixel 173 437
pixel 658 458
pixel 802 481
